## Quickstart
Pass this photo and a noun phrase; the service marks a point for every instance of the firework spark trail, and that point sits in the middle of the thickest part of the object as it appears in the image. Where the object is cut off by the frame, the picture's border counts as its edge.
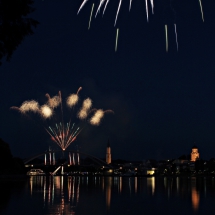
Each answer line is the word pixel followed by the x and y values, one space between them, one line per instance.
pixel 166 38
pixel 147 11
pixel 152 4
pixel 176 37
pixel 91 16
pixel 79 89
pixel 101 3
pixel 130 5
pixel 82 5
pixel 200 3
pixel 105 6
pixel 117 35
pixel 63 137
pixel 46 111
pixel 120 1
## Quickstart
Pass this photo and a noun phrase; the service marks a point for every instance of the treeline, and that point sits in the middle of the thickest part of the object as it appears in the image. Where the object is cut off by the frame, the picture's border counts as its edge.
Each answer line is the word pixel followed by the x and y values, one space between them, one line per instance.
pixel 8 163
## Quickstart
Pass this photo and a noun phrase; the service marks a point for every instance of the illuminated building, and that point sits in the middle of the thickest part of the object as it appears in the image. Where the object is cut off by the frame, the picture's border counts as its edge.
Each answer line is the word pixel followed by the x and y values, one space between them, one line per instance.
pixel 108 153
pixel 194 154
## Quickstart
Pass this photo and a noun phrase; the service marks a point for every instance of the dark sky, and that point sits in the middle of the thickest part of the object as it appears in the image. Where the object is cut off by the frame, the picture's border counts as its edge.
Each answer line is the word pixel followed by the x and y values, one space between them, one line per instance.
pixel 164 103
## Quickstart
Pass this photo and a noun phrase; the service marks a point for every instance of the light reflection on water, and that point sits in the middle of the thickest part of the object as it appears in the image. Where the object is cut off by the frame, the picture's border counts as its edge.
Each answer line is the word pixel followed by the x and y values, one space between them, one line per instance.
pixel 115 195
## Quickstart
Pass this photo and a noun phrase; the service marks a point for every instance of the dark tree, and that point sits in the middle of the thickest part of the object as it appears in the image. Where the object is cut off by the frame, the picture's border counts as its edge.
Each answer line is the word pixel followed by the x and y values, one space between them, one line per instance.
pixel 14 25
pixel 9 164
pixel 5 156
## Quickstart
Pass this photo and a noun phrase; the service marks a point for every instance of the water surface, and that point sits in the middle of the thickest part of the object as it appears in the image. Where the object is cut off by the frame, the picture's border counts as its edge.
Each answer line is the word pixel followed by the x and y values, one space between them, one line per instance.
pixel 108 195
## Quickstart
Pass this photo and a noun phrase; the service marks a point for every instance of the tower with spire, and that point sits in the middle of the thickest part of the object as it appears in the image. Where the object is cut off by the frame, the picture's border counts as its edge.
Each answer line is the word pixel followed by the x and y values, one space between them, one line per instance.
pixel 108 153
pixel 194 153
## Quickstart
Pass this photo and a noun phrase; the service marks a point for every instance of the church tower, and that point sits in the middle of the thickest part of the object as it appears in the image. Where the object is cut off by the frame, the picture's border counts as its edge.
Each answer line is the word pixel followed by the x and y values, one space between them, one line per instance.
pixel 194 154
pixel 108 153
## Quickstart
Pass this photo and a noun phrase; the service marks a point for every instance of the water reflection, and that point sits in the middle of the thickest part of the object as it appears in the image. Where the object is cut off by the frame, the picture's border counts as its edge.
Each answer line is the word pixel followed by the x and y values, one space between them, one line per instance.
pixel 60 194
pixel 76 195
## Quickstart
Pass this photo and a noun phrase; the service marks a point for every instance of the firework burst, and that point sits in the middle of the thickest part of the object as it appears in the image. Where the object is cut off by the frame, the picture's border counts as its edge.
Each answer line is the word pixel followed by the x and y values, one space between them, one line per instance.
pixel 63 134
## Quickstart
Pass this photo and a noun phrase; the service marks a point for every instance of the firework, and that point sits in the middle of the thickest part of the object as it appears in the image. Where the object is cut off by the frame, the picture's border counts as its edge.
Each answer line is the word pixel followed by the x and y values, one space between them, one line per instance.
pixel 166 33
pixel 83 113
pixel 73 98
pixel 62 134
pixel 46 111
pixel 130 5
pixel 82 5
pixel 101 3
pixel 147 13
pixel 117 35
pixel 105 6
pixel 98 115
pixel 87 104
pixel 200 3
pixel 120 2
pixel 54 101
pixel 90 16
pixel 176 37
pixel 28 106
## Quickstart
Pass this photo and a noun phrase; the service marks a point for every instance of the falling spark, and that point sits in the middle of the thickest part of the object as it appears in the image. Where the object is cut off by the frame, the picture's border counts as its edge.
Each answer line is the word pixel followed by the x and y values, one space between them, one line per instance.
pixel 147 10
pixel 130 5
pixel 120 1
pixel 82 5
pixel 176 37
pixel 200 3
pixel 152 4
pixel 91 16
pixel 101 3
pixel 166 38
pixel 117 35
pixel 105 6
pixel 46 111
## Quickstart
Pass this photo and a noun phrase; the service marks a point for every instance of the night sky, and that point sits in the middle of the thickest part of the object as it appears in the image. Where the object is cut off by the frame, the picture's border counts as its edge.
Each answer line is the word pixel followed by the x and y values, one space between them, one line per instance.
pixel 163 103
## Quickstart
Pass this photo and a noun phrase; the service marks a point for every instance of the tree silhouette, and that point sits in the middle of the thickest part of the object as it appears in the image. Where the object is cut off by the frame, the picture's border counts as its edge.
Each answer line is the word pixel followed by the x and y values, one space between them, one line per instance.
pixel 14 25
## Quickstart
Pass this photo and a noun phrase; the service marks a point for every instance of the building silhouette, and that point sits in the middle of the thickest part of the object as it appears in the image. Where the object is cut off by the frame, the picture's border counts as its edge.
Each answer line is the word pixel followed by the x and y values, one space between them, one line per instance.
pixel 108 153
pixel 194 153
